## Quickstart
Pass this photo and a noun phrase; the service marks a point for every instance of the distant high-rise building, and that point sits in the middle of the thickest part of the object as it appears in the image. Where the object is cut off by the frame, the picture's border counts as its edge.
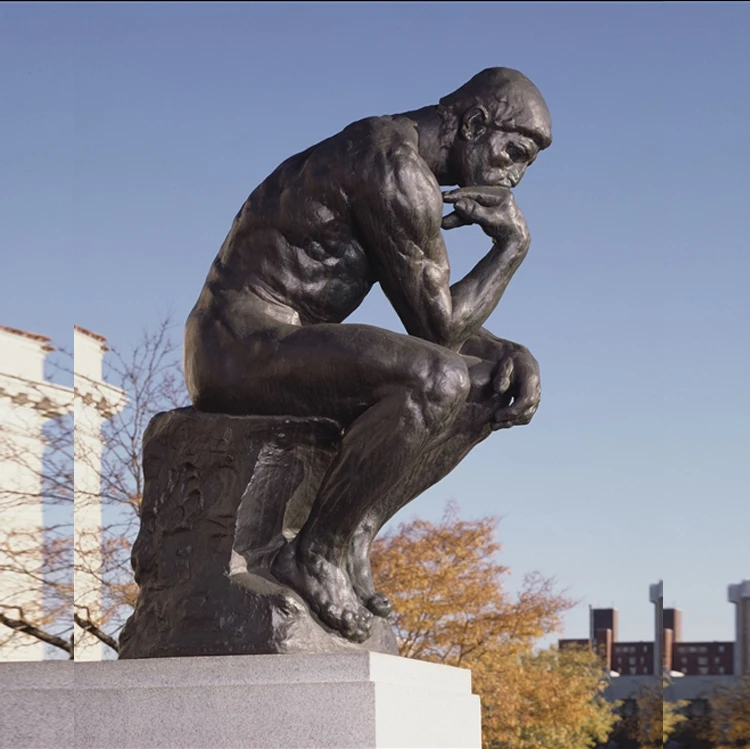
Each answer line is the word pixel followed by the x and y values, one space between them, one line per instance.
pixel 740 596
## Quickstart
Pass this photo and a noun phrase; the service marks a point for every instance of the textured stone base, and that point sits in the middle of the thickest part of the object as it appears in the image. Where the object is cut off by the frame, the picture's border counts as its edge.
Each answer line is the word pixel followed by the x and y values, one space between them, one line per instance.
pixel 222 494
pixel 245 614
pixel 352 701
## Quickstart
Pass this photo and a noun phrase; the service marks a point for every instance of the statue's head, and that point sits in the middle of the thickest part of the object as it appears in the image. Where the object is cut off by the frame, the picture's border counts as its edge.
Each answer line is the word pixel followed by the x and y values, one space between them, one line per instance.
pixel 501 122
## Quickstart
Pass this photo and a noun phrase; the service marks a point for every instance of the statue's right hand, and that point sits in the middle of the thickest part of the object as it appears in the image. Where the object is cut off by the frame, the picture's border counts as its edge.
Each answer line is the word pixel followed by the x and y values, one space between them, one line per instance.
pixel 491 207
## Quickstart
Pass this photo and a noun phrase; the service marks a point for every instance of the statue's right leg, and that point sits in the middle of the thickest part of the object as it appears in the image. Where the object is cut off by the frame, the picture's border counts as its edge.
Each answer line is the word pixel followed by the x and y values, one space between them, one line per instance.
pixel 445 452
pixel 392 393
pixel 434 465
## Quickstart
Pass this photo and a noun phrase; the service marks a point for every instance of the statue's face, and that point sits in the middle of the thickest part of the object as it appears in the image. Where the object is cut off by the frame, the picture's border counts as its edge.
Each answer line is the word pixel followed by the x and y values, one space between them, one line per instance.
pixel 483 154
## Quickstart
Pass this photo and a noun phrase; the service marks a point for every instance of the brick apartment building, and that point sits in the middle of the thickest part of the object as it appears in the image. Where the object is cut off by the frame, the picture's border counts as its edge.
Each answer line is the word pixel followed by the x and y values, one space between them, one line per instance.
pixel 695 668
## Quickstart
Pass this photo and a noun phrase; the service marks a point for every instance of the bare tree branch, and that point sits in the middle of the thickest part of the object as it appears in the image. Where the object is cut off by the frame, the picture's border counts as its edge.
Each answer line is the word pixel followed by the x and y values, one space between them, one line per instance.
pixel 90 627
pixel 150 373
pixel 29 629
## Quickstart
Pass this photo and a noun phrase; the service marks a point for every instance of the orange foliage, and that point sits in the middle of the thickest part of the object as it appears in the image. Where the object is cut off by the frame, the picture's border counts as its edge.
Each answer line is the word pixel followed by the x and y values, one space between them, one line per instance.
pixel 451 607
pixel 730 716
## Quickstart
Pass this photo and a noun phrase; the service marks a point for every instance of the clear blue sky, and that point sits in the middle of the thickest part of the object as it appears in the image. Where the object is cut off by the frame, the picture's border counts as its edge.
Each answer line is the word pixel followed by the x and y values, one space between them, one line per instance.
pixel 130 134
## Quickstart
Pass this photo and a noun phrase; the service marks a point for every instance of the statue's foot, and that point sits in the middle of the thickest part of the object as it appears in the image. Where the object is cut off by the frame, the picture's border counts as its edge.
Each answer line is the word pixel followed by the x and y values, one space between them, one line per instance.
pixel 326 589
pixel 360 574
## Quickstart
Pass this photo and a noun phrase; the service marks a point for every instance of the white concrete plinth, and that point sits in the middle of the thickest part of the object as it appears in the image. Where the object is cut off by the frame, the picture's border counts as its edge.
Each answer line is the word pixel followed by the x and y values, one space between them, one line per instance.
pixel 36 705
pixel 249 702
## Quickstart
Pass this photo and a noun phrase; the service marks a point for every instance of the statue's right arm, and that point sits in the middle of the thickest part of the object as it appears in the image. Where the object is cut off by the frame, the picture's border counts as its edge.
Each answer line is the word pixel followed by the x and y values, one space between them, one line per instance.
pixel 400 215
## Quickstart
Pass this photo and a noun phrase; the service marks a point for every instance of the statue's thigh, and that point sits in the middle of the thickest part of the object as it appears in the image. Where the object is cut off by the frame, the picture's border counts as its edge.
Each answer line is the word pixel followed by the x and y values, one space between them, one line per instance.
pixel 339 370
pixel 326 370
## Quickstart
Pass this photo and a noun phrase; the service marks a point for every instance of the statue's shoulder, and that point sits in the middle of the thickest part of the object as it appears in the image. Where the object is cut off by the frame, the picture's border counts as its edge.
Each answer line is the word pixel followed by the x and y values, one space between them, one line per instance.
pixel 382 148
pixel 384 125
pixel 385 137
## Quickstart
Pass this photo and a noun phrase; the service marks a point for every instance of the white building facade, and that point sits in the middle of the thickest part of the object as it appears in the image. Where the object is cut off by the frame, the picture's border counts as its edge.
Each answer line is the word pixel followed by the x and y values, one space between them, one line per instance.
pixel 27 402
pixel 95 402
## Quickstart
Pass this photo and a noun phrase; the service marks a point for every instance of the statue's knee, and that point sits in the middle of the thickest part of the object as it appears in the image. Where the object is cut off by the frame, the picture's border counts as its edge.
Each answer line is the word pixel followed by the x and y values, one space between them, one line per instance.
pixel 446 386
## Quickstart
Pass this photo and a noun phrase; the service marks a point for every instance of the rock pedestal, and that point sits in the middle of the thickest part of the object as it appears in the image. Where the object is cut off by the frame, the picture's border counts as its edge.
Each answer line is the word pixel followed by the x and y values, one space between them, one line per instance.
pixel 222 494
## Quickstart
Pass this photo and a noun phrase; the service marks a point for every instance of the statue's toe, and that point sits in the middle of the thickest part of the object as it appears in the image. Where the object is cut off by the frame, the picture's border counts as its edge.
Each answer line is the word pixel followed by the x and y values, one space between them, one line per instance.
pixel 380 605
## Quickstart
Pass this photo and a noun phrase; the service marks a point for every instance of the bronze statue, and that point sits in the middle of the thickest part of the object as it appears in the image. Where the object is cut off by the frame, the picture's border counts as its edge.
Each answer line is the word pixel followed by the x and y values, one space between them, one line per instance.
pixel 267 335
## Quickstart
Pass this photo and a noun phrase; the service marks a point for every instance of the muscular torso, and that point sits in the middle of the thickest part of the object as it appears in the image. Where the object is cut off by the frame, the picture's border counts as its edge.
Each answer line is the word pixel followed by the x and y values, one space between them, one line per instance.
pixel 296 251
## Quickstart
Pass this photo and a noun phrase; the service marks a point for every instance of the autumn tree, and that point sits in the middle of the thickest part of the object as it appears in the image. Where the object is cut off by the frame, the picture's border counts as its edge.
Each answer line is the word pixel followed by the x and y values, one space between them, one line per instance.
pixel 451 606
pixel 653 720
pixel 728 725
